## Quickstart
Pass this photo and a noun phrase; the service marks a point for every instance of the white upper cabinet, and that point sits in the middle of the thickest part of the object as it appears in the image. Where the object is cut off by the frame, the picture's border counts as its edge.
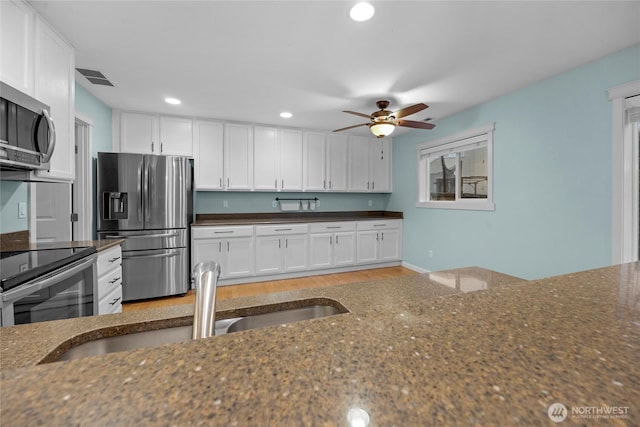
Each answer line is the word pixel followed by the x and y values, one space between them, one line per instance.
pixel 337 162
pixel 290 160
pixel 139 133
pixel 176 136
pixel 238 156
pixel 17 46
pixel 314 161
pixel 265 168
pixel 369 164
pixel 152 134
pixel 55 86
pixel 208 154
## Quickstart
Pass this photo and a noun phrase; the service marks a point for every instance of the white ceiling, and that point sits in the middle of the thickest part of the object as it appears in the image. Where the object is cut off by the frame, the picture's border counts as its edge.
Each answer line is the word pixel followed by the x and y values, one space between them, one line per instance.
pixel 250 60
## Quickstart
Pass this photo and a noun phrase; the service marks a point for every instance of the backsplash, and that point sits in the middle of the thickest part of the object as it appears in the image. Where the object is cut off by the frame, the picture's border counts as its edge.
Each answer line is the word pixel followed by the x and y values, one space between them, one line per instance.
pixel 245 202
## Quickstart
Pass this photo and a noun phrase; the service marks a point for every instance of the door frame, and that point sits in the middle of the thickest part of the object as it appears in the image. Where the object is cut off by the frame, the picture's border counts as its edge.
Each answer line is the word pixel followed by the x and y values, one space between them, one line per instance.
pixel 624 214
pixel 82 200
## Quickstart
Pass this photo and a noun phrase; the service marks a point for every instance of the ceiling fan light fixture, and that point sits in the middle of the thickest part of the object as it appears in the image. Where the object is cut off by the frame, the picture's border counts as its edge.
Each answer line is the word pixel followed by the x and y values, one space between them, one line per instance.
pixel 362 11
pixel 382 129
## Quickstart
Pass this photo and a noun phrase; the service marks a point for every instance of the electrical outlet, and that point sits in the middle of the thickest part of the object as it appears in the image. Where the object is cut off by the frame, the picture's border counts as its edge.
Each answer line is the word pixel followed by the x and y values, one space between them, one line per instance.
pixel 225 203
pixel 430 253
pixel 274 204
pixel 22 210
pixel 317 203
pixel 370 203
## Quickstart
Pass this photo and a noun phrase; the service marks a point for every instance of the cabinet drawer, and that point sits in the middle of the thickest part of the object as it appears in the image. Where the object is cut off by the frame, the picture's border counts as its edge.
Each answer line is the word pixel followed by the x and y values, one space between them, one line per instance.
pixel 111 303
pixel 271 230
pixel 332 227
pixel 221 232
pixel 109 260
pixel 378 224
pixel 107 282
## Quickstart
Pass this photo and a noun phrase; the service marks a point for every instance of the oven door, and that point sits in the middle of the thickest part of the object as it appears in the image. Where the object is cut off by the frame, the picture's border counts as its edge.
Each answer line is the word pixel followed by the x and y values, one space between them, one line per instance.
pixel 63 294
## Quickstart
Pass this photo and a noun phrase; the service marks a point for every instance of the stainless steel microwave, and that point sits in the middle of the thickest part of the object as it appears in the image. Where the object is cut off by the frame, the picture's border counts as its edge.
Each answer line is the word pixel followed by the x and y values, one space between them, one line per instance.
pixel 27 131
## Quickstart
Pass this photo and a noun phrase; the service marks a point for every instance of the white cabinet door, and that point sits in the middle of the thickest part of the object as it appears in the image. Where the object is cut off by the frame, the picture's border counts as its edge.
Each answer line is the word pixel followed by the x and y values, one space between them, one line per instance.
pixel 290 160
pixel 268 254
pixel 203 250
pixel 380 165
pixel 239 257
pixel 55 86
pixel 337 162
pixel 295 252
pixel 314 161
pixel 139 133
pixel 320 250
pixel 238 156
pixel 16 46
pixel 368 246
pixel 359 163
pixel 176 136
pixel 390 245
pixel 344 246
pixel 208 155
pixel 265 168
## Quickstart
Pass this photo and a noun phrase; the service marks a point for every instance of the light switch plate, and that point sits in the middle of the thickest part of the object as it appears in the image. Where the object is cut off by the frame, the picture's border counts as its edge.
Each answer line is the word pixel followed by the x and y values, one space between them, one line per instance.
pixel 22 210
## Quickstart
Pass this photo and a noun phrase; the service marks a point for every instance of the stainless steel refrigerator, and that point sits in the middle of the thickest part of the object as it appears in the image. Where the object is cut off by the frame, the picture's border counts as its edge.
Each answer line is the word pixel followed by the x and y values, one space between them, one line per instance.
pixel 148 201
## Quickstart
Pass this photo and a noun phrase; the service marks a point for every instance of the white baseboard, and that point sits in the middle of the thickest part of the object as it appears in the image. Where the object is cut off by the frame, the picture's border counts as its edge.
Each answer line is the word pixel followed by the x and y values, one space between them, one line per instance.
pixel 415 267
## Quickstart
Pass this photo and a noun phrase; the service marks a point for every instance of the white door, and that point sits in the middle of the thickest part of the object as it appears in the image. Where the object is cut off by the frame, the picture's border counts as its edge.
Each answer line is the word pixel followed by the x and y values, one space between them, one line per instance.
pixel 344 247
pixel 314 160
pixel 358 163
pixel 295 252
pixel 238 157
pixel 320 250
pixel 265 146
pixel 390 244
pixel 52 211
pixel 176 136
pixel 380 161
pixel 368 246
pixel 139 133
pixel 208 155
pixel 337 162
pixel 204 250
pixel 238 257
pixel 16 45
pixel 290 160
pixel 268 254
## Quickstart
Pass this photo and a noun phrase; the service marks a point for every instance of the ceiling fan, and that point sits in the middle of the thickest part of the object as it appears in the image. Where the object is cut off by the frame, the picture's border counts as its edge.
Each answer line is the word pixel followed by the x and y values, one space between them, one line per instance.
pixel 384 122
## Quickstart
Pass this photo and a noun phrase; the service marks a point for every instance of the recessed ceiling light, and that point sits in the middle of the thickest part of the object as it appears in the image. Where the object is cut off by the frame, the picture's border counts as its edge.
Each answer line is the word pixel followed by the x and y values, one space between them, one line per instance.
pixel 362 11
pixel 286 115
pixel 172 101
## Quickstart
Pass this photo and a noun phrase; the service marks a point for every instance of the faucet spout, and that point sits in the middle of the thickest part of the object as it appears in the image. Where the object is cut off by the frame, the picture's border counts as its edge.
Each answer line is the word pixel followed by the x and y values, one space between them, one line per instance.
pixel 205 277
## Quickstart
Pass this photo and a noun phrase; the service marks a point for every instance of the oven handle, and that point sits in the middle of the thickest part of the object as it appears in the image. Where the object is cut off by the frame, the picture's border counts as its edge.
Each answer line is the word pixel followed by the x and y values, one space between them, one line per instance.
pixel 49 280
pixel 142 236
pixel 163 255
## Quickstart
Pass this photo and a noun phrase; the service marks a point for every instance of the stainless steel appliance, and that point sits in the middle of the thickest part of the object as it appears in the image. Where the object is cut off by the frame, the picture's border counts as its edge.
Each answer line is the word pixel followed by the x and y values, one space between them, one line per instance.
pixel 27 132
pixel 148 201
pixel 47 284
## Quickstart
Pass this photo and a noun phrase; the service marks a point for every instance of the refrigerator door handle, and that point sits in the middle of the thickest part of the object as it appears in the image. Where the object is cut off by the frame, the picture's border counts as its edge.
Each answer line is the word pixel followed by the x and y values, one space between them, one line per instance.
pixel 147 191
pixel 163 255
pixel 142 236
pixel 140 188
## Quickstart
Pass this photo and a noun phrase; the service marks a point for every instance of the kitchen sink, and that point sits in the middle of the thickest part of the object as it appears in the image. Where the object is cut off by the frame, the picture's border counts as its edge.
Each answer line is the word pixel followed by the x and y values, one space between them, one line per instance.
pixel 159 337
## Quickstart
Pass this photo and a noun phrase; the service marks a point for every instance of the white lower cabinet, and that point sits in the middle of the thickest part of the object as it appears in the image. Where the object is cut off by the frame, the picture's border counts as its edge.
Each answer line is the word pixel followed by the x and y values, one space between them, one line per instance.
pixel 281 248
pixel 379 241
pixel 332 244
pixel 109 287
pixel 231 247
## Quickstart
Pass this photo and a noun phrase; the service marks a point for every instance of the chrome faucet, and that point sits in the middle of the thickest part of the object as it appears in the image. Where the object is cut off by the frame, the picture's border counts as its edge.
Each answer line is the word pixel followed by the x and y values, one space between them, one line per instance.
pixel 205 277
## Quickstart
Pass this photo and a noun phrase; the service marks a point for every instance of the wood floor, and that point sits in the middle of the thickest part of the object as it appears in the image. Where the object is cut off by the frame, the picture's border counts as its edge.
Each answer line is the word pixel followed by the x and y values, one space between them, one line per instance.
pixel 258 288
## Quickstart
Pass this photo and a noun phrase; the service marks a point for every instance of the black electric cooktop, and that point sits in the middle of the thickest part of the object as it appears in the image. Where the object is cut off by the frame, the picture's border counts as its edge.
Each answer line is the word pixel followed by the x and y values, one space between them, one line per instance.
pixel 18 267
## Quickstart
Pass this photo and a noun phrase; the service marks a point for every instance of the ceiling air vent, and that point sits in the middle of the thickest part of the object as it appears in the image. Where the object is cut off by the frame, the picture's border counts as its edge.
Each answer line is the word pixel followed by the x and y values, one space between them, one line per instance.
pixel 95 77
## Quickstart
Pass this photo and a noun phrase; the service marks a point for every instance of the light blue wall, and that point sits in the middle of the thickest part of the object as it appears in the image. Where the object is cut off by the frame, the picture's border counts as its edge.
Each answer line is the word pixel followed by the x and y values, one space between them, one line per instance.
pixel 552 179
pixel 11 193
pixel 212 202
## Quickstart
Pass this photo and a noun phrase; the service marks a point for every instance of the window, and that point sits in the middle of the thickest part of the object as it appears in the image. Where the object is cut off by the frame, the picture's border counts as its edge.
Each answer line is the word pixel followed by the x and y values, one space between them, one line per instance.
pixel 456 172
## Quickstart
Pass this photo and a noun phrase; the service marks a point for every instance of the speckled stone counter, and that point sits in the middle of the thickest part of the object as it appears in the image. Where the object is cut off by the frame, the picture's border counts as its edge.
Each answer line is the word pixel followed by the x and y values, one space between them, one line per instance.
pixel 412 351
pixel 291 217
pixel 100 245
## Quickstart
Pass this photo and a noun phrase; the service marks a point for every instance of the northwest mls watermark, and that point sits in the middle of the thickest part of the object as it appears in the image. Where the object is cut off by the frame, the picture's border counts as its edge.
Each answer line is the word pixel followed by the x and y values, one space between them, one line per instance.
pixel 558 412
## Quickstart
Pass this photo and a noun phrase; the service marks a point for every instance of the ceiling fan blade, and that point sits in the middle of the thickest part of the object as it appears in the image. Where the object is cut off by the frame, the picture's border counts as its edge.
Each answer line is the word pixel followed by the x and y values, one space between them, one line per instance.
pixel 407 111
pixel 357 114
pixel 414 124
pixel 351 127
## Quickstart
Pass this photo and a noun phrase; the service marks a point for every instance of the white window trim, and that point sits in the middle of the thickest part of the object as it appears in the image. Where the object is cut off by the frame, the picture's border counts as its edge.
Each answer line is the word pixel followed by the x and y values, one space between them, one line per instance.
pixel 624 217
pixel 485 133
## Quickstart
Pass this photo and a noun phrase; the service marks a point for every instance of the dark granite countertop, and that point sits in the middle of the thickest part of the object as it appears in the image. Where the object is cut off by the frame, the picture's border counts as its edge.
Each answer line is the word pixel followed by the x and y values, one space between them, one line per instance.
pixel 100 245
pixel 413 350
pixel 291 217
